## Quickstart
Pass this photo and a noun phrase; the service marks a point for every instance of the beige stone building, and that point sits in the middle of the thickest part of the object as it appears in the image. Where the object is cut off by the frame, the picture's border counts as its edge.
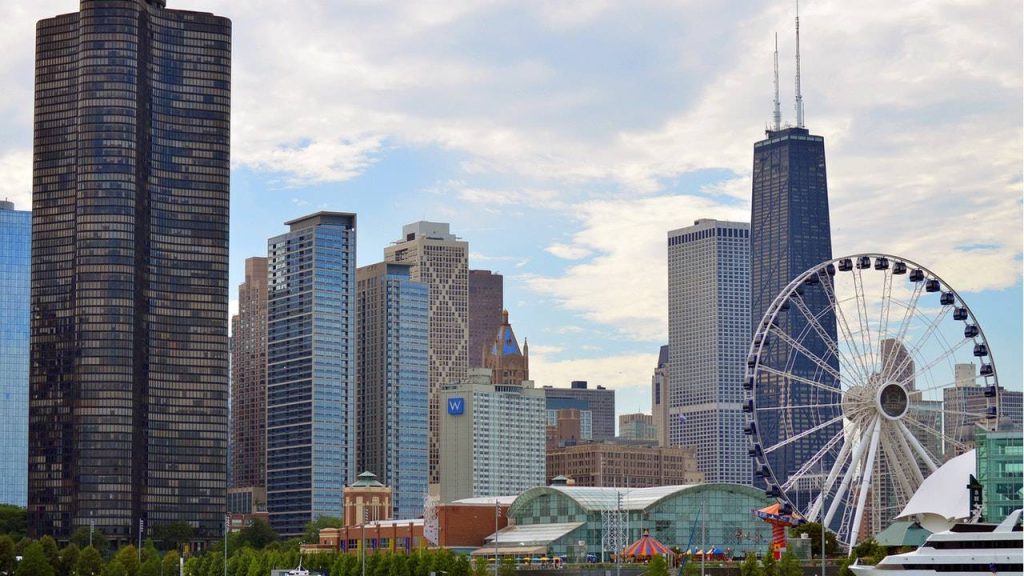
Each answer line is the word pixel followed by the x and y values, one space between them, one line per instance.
pixel 609 464
pixel 366 500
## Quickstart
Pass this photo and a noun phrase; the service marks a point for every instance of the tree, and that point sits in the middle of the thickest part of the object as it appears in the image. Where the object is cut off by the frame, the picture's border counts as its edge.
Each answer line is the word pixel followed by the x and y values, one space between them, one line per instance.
pixel 13 521
pixel 657 566
pixel 34 562
pixel 169 563
pixel 258 534
pixel 150 567
pixel 114 568
pixel 771 567
pixel 790 564
pixel 311 535
pixel 90 563
pixel 869 551
pixel 692 567
pixel 813 531
pixel 80 537
pixel 69 559
pixel 128 556
pixel 750 566
pixel 508 566
pixel 174 534
pixel 480 566
pixel 6 554
pixel 51 551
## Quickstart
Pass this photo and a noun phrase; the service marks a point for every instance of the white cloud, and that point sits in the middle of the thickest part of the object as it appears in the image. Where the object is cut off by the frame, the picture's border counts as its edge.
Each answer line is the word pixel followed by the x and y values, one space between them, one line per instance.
pixel 16 177
pixel 615 372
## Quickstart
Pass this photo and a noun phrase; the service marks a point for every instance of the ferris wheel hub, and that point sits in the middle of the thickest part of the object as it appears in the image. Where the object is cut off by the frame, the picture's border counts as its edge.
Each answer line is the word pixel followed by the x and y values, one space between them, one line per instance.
pixel 892 401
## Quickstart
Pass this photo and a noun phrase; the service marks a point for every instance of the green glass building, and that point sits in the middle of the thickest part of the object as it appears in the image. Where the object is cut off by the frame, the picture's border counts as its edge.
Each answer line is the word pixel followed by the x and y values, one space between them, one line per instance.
pixel 1000 470
pixel 571 520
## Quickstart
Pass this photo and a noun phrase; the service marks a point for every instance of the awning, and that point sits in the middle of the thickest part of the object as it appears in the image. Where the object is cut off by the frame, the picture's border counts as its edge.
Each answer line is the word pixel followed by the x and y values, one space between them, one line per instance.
pixel 510 551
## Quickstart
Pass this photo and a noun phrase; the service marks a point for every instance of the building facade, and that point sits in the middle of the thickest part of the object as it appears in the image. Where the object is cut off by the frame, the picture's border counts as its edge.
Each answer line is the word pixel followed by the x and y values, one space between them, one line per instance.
pixel 486 302
pixel 599 402
pixel 492 437
pixel 249 379
pixel 15 268
pixel 790 232
pixel 637 427
pixel 391 371
pixel 441 261
pixel 709 336
pixel 659 395
pixel 965 407
pixel 129 373
pixel 311 369
pixel 613 464
pixel 1000 470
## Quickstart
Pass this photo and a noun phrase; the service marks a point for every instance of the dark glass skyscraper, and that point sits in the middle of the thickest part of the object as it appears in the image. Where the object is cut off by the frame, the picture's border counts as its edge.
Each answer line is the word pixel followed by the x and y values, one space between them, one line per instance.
pixel 789 233
pixel 129 343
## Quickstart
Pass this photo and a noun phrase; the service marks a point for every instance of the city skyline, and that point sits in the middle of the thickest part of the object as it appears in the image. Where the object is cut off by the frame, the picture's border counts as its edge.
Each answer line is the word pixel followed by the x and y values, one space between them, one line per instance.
pixel 613 188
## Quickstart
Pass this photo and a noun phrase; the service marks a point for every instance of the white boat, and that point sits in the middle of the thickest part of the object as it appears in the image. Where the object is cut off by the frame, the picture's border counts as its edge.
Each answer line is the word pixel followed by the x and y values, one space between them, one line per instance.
pixel 300 571
pixel 963 550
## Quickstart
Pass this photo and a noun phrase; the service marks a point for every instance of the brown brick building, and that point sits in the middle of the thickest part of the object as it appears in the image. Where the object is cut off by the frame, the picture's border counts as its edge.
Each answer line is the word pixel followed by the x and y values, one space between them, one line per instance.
pixel 609 464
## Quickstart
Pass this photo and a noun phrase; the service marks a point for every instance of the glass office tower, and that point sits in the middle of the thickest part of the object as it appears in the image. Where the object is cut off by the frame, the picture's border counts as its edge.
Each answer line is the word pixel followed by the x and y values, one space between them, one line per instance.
pixel 311 369
pixel 790 233
pixel 15 253
pixel 392 371
pixel 129 373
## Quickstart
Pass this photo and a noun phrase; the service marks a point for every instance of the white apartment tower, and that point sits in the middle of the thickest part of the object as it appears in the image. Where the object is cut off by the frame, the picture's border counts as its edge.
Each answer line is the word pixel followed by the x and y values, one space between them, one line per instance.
pixel 708 335
pixel 440 260
pixel 493 437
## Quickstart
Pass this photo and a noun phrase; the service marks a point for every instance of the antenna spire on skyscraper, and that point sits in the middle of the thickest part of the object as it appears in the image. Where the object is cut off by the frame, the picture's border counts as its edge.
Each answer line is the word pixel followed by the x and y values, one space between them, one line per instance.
pixel 776 111
pixel 799 96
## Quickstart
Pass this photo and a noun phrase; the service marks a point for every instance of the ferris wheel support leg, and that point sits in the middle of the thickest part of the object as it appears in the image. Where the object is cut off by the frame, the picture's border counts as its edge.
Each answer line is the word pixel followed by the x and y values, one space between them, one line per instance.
pixel 865 483
pixel 932 467
pixel 858 453
pixel 819 503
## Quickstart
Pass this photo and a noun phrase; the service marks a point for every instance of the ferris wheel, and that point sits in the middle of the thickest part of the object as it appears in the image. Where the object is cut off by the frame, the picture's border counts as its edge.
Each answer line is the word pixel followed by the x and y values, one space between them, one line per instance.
pixel 865 374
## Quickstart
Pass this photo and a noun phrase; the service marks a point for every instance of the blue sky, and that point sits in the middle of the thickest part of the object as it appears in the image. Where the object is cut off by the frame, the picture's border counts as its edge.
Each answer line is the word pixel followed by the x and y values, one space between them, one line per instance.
pixel 563 139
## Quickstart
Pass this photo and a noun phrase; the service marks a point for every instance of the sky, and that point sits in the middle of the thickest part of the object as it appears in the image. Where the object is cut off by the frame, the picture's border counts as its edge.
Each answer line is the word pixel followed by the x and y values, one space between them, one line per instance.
pixel 563 139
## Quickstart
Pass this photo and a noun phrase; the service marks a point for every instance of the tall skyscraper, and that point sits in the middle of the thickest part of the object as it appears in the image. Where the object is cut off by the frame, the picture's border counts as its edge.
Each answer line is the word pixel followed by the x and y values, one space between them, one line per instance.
pixel 659 396
pixel 708 338
pixel 129 383
pixel 441 261
pixel 249 389
pixel 391 369
pixel 15 266
pixel 486 302
pixel 311 369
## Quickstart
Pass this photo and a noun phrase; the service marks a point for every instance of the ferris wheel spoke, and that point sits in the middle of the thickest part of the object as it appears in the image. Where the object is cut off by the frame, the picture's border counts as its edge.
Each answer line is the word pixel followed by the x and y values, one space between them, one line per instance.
pixel 931 364
pixel 900 468
pixel 908 313
pixel 865 483
pixel 804 434
pixel 908 455
pixel 801 379
pixel 844 485
pixel 862 318
pixel 863 371
pixel 886 305
pixel 928 460
pixel 811 462
pixel 932 327
pixel 938 434
pixel 845 362
pixel 807 406
pixel 793 343
pixel 833 473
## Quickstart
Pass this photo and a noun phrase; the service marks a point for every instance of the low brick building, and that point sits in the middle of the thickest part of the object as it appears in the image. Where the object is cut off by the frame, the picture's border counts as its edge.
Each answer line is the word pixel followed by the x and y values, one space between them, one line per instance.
pixel 611 464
